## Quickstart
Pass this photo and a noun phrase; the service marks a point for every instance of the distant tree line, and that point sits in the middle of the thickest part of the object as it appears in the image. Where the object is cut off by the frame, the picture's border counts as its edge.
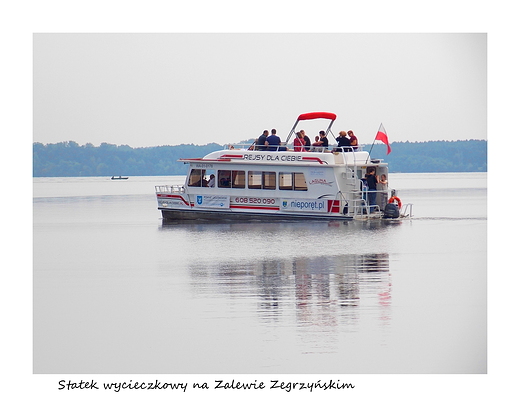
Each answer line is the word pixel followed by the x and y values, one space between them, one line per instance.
pixel 434 156
pixel 69 159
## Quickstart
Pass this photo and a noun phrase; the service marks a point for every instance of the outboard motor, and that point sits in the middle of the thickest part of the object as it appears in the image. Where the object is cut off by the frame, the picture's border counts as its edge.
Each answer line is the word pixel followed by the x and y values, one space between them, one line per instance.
pixel 391 211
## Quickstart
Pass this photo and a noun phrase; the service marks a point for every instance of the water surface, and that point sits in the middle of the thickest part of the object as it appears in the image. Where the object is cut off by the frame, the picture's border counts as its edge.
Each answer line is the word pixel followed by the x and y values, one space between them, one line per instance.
pixel 118 291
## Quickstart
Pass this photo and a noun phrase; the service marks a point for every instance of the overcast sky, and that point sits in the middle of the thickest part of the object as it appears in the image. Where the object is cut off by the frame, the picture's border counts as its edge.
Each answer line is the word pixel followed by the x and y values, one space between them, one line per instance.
pixel 168 89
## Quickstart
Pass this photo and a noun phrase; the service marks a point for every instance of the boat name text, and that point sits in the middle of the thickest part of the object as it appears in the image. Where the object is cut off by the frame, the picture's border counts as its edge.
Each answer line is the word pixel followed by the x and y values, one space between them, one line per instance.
pixel 270 157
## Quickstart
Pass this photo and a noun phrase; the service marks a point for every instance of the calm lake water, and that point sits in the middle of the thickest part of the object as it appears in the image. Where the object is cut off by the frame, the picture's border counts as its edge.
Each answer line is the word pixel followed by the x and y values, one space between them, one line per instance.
pixel 116 291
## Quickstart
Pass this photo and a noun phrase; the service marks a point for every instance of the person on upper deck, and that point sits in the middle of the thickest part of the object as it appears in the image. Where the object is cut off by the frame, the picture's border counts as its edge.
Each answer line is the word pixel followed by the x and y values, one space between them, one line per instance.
pixel 261 141
pixel 273 141
pixel 343 142
pixel 353 140
pixel 307 140
pixel 299 142
pixel 323 141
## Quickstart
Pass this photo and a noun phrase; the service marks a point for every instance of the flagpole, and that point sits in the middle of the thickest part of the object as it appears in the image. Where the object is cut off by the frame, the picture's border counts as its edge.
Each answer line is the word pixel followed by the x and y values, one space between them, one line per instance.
pixel 373 142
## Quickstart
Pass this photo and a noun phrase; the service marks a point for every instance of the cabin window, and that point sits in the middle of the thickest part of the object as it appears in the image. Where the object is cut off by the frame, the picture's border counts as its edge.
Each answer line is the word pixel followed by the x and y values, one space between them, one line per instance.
pixel 224 179
pixel 231 179
pixel 239 179
pixel 196 178
pixel 254 179
pixel 292 181
pixel 261 180
pixel 269 180
pixel 299 182
pixel 285 181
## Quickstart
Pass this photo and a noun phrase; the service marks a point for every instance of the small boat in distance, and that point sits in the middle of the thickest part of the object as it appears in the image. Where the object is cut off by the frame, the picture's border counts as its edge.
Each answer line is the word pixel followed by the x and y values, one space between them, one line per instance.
pixel 284 181
pixel 118 177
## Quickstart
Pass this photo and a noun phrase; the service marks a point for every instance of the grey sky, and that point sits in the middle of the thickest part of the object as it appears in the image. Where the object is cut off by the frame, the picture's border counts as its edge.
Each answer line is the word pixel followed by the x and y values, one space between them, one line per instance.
pixel 167 89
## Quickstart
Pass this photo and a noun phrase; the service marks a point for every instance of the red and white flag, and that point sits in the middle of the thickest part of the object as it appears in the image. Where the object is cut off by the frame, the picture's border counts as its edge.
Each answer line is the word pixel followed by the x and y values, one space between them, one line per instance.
pixel 381 135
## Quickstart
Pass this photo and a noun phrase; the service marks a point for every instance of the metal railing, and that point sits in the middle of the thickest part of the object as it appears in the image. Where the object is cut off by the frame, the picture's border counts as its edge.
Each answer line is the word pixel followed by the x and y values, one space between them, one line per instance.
pixel 363 210
pixel 169 189
pixel 290 147
pixel 359 207
pixel 406 210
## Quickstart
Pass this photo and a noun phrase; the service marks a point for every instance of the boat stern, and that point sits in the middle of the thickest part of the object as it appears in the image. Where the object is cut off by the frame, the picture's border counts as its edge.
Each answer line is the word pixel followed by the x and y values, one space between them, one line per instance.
pixel 171 197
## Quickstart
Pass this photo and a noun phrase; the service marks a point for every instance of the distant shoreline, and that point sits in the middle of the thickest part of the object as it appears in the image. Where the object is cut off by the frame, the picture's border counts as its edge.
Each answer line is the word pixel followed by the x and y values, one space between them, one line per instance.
pixel 69 159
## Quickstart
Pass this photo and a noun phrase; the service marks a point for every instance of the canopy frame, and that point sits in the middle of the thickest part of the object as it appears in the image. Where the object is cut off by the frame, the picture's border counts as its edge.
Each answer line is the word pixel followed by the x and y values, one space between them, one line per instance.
pixel 312 116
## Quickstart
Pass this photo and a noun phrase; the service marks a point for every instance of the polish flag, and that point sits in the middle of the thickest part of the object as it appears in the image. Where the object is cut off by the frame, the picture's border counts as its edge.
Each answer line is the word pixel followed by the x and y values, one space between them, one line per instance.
pixel 381 135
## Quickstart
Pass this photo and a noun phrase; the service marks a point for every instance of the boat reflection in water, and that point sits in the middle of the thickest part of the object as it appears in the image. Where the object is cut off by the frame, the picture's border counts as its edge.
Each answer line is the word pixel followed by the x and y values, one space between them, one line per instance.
pixel 316 287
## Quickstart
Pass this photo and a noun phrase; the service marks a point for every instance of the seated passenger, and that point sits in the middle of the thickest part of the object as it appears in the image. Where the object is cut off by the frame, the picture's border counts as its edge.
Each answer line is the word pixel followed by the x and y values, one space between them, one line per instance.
pixel 225 182
pixel 343 142
pixel 211 182
pixel 324 140
pixel 261 142
pixel 273 141
pixel 317 144
pixel 299 142
pixel 353 140
pixel 321 141
pixel 307 140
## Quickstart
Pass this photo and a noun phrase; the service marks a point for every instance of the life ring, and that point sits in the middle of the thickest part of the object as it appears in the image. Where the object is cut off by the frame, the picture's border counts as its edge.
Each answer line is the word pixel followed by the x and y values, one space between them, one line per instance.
pixel 395 198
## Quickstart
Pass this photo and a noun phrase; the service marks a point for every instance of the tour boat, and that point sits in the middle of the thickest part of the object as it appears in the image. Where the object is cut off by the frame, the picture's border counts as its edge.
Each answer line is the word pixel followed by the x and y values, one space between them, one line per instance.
pixel 280 182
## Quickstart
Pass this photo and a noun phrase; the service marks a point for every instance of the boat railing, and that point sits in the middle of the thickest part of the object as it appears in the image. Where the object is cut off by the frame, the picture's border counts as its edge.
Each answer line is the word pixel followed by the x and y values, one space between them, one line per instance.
pixel 169 189
pixel 358 207
pixel 361 209
pixel 406 211
pixel 285 147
